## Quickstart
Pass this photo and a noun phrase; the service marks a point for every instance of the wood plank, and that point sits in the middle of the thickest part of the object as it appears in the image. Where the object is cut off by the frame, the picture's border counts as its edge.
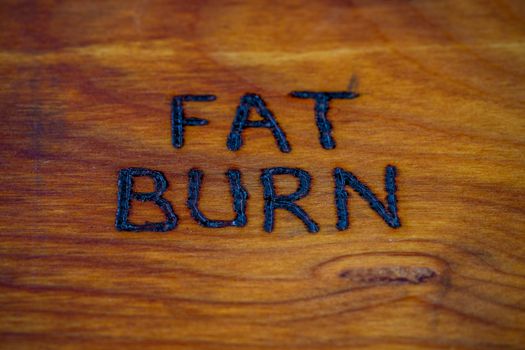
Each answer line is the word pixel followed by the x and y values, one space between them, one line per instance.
pixel 86 90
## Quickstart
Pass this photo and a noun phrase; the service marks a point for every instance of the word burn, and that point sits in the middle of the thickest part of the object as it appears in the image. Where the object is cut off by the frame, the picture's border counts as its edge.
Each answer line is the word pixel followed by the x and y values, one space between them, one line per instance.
pixel 342 178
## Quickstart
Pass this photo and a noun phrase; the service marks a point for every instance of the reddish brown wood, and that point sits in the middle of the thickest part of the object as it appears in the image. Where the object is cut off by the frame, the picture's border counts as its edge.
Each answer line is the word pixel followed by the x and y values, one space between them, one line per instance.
pixel 85 91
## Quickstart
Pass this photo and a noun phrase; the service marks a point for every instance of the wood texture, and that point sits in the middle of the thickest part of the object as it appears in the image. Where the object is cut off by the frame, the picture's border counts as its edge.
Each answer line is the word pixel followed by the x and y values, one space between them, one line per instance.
pixel 86 89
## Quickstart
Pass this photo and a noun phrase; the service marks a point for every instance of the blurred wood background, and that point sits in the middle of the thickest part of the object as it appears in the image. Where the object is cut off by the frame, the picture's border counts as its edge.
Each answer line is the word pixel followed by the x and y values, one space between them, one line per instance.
pixel 85 90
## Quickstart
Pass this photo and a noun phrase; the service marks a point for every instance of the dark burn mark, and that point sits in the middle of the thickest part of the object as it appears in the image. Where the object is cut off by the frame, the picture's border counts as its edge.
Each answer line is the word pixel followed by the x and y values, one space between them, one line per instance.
pixel 273 201
pixel 179 120
pixel 390 274
pixel 322 105
pixel 386 209
pixel 238 192
pixel 126 194
pixel 251 101
pixel 344 178
pixel 248 102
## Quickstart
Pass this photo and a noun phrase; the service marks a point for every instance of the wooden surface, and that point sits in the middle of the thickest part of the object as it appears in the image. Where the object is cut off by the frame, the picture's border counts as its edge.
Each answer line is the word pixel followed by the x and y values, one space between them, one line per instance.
pixel 85 90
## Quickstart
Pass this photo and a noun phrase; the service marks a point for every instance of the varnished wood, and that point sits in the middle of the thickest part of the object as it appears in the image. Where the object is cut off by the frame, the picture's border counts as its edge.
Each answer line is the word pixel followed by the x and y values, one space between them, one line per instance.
pixel 86 89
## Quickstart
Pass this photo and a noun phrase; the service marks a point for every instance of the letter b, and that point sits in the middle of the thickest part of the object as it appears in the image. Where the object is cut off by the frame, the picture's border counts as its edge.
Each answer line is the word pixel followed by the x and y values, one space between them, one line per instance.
pixel 126 195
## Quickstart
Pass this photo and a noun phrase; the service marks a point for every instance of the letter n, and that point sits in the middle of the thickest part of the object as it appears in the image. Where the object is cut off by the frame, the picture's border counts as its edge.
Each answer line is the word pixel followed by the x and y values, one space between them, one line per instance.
pixel 345 178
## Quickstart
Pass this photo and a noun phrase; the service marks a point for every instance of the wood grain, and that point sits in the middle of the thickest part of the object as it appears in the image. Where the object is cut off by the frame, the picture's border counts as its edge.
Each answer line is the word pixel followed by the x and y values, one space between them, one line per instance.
pixel 86 89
